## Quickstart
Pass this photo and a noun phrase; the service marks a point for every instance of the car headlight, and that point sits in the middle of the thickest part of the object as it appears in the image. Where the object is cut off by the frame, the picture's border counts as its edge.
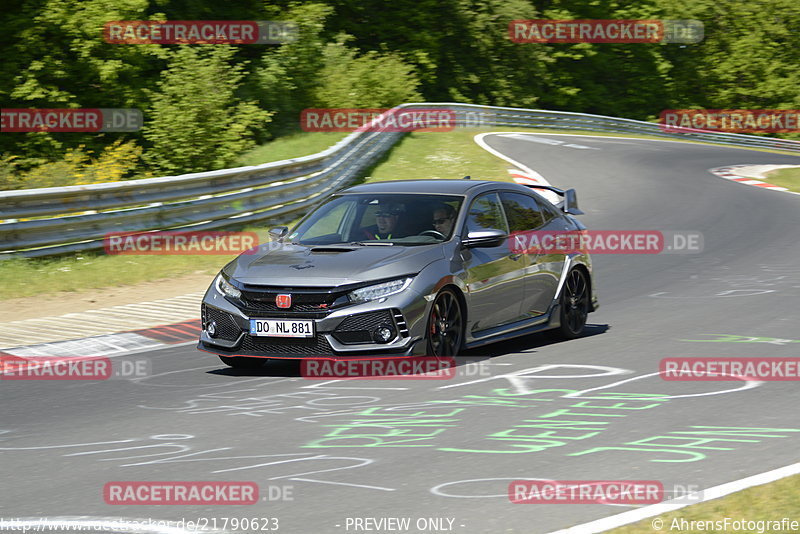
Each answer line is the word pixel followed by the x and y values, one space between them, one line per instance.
pixel 224 287
pixel 377 291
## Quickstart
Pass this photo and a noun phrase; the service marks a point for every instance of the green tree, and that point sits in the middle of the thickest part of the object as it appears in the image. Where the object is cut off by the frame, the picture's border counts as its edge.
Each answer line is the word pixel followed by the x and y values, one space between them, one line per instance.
pixel 623 80
pixel 371 80
pixel 55 56
pixel 460 48
pixel 748 59
pixel 285 78
pixel 197 122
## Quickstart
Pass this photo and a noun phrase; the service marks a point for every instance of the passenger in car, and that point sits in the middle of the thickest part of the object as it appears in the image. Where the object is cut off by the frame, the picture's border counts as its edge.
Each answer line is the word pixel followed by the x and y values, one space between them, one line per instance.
pixel 443 219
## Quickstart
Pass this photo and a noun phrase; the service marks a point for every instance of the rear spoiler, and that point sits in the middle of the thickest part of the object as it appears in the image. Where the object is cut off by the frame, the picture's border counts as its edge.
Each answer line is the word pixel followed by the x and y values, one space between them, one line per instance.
pixel 570 202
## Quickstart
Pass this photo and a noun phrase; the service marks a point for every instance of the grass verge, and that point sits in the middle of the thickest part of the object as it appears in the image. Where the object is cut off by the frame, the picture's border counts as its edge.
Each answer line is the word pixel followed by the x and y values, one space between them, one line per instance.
pixel 30 277
pixel 291 146
pixel 439 155
pixel 788 178
pixel 21 277
pixel 770 502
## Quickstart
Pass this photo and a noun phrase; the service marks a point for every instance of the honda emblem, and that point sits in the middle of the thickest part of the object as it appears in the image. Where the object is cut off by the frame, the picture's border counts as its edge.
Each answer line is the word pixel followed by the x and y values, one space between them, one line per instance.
pixel 283 301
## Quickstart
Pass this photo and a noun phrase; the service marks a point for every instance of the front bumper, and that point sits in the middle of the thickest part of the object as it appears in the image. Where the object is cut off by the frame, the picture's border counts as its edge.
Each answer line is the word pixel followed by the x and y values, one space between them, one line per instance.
pixel 345 333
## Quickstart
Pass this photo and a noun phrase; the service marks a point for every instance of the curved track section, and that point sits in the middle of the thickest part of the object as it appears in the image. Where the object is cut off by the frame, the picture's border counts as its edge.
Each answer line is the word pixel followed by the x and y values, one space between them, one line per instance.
pixel 348 456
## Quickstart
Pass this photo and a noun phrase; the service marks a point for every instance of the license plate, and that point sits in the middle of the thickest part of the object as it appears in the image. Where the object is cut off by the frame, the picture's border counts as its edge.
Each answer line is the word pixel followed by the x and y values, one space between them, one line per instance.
pixel 281 328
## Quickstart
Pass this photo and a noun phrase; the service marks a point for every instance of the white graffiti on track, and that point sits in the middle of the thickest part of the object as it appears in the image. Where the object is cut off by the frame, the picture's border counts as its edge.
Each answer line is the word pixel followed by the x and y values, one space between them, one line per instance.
pixel 783 281
pixel 523 381
pixel 747 384
pixel 735 338
pixel 162 449
pixel 256 402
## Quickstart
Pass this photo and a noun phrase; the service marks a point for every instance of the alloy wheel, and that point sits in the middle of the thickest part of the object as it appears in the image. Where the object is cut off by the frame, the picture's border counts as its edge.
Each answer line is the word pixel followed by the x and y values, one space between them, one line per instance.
pixel 445 325
pixel 575 304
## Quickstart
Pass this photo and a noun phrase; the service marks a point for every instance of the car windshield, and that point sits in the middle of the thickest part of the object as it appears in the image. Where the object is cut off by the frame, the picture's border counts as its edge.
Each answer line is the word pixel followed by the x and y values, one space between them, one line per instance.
pixel 380 220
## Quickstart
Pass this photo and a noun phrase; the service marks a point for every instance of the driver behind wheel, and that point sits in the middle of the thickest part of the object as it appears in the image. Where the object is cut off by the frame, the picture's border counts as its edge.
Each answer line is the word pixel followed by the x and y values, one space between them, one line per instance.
pixel 443 218
pixel 386 222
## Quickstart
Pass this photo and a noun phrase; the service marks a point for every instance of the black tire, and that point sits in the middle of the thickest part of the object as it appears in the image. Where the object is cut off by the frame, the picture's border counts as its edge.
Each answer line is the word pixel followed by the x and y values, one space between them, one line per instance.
pixel 445 326
pixel 239 362
pixel 574 307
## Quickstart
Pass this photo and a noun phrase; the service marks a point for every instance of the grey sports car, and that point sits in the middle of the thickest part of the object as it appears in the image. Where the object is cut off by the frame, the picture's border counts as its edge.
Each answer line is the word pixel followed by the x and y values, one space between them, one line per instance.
pixel 403 268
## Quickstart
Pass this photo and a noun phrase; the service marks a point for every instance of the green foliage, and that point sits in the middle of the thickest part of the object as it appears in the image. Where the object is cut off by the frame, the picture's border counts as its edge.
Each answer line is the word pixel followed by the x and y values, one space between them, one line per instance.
pixel 624 80
pixel 285 79
pixel 10 177
pixel 197 123
pixel 460 48
pixel 118 161
pixel 372 80
pixel 205 105
pixel 748 59
pixel 55 56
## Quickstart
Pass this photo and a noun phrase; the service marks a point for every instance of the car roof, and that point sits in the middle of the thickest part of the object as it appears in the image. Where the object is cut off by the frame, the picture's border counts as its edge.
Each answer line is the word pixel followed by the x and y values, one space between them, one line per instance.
pixel 451 187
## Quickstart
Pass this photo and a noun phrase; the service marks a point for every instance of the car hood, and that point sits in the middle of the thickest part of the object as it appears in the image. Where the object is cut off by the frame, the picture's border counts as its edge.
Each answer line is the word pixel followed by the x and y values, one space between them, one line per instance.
pixel 298 265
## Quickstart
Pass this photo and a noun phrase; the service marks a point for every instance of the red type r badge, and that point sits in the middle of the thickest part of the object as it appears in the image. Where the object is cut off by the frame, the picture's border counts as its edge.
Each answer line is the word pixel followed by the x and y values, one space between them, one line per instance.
pixel 283 301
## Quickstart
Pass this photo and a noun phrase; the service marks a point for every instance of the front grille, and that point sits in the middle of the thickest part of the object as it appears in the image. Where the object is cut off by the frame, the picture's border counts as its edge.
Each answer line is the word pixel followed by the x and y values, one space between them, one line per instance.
pixel 270 307
pixel 226 326
pixel 316 346
pixel 312 303
pixel 365 321
pixel 359 328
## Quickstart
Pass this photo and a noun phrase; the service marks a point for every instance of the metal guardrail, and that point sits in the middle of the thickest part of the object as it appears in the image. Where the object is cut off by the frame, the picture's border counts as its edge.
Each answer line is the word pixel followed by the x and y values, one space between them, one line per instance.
pixel 566 120
pixel 74 218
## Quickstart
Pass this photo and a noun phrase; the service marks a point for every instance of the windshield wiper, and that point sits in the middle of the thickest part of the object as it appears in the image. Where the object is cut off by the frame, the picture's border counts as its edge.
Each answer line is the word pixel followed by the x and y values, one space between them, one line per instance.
pixel 373 243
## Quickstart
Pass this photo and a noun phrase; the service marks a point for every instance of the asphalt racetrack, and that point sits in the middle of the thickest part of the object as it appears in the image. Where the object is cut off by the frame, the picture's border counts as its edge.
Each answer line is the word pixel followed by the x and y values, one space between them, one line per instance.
pixel 442 453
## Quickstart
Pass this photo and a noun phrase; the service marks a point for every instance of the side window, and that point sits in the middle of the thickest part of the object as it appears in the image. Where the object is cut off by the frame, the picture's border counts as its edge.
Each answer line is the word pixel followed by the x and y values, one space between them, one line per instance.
pixel 485 213
pixel 549 211
pixel 522 211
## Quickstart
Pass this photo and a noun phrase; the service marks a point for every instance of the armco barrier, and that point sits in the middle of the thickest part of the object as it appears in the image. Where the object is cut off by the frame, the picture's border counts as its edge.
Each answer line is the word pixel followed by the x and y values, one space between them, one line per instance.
pixel 59 220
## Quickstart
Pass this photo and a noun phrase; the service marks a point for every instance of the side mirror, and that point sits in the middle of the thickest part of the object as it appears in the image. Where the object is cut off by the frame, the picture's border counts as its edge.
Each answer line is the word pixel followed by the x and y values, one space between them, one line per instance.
pixel 278 232
pixel 571 203
pixel 484 238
